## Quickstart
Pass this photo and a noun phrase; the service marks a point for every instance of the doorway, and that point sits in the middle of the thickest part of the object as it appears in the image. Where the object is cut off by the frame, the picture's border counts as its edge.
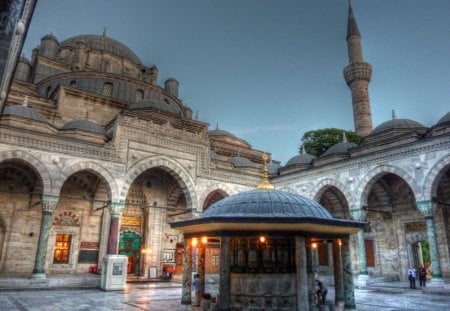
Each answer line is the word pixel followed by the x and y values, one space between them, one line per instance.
pixel 130 245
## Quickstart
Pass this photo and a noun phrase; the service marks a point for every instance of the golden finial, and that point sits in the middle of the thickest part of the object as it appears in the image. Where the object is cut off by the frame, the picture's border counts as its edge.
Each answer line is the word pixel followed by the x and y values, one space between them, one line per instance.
pixel 265 185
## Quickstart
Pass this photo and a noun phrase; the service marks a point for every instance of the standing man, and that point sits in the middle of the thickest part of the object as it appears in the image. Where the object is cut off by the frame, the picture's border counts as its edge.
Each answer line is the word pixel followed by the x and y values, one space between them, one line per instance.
pixel 412 278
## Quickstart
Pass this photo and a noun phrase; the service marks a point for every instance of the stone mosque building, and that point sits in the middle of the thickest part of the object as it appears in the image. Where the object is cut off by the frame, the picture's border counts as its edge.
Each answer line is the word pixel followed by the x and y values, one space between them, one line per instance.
pixel 97 157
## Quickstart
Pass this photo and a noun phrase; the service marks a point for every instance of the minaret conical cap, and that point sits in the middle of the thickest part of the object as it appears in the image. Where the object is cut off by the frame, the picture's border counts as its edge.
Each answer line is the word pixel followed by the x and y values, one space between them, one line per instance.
pixel 352 27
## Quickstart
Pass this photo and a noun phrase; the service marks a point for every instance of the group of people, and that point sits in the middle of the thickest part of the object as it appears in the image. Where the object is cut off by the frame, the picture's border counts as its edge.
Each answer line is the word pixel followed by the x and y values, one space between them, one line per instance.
pixel 421 273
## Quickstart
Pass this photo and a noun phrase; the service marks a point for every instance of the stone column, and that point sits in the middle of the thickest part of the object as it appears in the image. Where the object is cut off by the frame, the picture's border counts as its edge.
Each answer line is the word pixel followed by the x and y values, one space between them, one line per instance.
pixel 224 283
pixel 49 203
pixel 311 271
pixel 428 208
pixel 201 250
pixel 338 272
pixel 330 255
pixel 115 209
pixel 302 274
pixel 186 298
pixel 349 288
pixel 359 215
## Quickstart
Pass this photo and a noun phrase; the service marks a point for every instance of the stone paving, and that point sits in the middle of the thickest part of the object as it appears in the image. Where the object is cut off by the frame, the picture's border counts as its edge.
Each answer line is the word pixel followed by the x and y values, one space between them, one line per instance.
pixel 166 297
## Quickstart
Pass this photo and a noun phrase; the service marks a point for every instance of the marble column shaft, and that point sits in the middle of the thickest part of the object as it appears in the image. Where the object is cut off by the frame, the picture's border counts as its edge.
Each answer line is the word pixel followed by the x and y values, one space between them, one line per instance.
pixel 224 286
pixel 114 230
pixel 338 272
pixel 434 253
pixel 362 253
pixel 428 209
pixel 349 288
pixel 302 274
pixel 186 298
pixel 48 206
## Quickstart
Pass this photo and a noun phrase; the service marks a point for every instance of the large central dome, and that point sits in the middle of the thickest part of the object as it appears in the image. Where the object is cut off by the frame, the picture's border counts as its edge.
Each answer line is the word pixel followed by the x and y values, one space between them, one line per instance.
pixel 102 43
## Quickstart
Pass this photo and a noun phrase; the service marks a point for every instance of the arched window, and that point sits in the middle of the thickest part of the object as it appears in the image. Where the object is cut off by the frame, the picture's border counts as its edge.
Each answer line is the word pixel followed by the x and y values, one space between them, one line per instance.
pixel 48 91
pixel 107 89
pixel 139 95
pixel 73 83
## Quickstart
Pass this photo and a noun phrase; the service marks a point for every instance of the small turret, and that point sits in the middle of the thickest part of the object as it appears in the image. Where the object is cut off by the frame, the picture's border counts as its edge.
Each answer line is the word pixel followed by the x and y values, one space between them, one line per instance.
pixel 153 75
pixel 49 46
pixel 23 69
pixel 171 86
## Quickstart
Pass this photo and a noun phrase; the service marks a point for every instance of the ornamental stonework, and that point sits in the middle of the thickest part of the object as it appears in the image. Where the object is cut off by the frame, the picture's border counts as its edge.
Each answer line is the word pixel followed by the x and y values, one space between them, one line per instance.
pixel 66 218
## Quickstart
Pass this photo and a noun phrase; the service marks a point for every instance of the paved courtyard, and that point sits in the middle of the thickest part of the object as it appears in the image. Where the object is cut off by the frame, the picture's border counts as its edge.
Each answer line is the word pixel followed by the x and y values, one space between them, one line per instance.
pixel 166 297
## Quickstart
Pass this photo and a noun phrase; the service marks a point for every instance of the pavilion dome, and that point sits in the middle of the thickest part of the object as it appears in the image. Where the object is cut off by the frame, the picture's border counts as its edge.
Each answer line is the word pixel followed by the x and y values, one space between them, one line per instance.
pixel 102 43
pixel 263 204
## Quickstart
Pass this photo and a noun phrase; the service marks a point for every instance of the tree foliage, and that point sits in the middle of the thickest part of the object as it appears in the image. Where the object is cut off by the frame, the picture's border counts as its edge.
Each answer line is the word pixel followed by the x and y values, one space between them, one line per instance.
pixel 316 142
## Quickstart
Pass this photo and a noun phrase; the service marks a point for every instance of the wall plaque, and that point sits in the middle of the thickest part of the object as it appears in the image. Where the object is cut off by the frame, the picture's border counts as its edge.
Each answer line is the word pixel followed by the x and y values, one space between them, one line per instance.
pixel 131 221
pixel 417 226
pixel 88 256
pixel 89 245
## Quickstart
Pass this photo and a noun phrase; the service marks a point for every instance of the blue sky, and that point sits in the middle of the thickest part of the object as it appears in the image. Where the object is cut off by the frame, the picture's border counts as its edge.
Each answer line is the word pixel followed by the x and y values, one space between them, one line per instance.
pixel 268 70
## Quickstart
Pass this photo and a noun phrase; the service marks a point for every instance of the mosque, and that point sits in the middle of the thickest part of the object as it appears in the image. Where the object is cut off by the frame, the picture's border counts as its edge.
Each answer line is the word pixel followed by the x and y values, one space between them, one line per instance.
pixel 98 157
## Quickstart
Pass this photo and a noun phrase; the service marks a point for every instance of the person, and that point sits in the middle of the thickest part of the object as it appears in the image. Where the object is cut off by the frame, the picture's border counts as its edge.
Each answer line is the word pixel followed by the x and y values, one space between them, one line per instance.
pixel 197 289
pixel 321 293
pixel 412 278
pixel 422 276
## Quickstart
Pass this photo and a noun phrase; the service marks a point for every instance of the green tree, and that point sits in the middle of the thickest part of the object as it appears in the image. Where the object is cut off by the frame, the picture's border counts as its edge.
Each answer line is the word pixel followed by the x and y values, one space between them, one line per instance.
pixel 316 142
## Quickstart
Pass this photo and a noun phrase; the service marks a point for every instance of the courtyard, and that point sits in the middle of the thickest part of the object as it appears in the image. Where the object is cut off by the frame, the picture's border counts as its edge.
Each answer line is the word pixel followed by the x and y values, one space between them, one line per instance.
pixel 167 295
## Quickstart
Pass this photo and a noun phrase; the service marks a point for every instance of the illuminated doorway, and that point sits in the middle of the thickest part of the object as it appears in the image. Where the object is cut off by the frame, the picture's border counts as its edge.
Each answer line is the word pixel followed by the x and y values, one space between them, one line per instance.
pixel 130 245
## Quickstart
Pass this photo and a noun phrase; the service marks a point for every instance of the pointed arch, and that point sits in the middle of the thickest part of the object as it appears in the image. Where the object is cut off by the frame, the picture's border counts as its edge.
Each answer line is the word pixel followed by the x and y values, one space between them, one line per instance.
pixel 97 169
pixel 222 188
pixel 365 185
pixel 34 163
pixel 175 169
pixel 432 179
pixel 324 184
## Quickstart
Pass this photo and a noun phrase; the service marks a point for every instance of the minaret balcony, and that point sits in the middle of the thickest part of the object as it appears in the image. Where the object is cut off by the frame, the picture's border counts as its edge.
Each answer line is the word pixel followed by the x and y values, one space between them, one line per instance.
pixel 357 71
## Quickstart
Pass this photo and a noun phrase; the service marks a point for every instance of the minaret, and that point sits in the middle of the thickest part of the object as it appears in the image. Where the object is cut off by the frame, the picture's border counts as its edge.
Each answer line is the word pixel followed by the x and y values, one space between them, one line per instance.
pixel 357 75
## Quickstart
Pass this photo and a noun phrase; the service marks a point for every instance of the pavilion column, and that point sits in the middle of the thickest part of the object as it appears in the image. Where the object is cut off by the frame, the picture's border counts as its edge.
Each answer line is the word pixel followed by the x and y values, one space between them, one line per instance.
pixel 330 255
pixel 311 271
pixel 48 206
pixel 201 247
pixel 338 273
pixel 428 209
pixel 360 215
pixel 302 274
pixel 224 286
pixel 115 210
pixel 349 288
pixel 186 298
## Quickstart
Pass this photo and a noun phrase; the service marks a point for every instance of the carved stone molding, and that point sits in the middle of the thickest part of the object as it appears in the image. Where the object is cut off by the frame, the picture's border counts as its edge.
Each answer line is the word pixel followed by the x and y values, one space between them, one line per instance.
pixel 49 203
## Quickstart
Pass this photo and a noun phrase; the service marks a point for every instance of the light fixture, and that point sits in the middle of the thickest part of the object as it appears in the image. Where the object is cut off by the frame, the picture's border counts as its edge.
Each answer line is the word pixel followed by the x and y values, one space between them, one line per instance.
pixel 194 242
pixel 314 245
pixel 204 240
pixel 262 239
pixel 340 242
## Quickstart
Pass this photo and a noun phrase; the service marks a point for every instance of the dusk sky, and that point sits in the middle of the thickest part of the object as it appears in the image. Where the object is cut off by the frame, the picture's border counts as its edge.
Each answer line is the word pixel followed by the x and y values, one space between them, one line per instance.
pixel 268 71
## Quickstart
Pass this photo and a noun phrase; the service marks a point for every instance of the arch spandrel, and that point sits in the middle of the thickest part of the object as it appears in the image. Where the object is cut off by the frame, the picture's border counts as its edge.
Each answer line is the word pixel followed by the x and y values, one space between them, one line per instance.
pixel 365 185
pixel 34 163
pixel 175 169
pixel 96 169
pixel 432 179
pixel 325 184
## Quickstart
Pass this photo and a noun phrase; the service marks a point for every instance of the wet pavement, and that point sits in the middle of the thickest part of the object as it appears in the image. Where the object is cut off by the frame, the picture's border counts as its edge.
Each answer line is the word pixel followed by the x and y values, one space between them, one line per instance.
pixel 166 297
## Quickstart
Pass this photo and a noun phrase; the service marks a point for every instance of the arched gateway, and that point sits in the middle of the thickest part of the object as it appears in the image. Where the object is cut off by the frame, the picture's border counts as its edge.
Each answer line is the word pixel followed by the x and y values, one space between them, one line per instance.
pixel 267 240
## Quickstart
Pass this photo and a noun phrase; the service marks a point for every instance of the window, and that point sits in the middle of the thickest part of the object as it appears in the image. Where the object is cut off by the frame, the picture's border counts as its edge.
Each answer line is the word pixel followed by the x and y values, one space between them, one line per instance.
pixel 215 260
pixel 73 83
pixel 107 89
pixel 139 95
pixel 370 254
pixel 62 248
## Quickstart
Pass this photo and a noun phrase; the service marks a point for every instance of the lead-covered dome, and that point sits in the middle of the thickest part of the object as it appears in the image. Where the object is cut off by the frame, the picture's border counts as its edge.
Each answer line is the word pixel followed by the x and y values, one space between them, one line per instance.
pixel 266 204
pixel 102 43
pixel 444 119
pixel 398 124
pixel 85 125
pixel 23 111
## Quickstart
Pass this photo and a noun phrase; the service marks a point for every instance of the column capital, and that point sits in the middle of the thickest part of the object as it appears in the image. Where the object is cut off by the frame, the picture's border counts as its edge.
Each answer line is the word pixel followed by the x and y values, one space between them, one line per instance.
pixel 427 208
pixel 49 203
pixel 115 208
pixel 358 214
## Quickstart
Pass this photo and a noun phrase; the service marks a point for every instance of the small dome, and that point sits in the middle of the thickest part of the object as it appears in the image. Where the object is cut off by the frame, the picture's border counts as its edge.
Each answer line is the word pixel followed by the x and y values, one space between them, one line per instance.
pixel 218 132
pixel 165 105
pixel 394 124
pixel 266 204
pixel 25 60
pixel 444 119
pixel 85 125
pixel 102 43
pixel 341 147
pixel 228 137
pixel 300 159
pixel 24 112
pixel 241 162
pixel 273 168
